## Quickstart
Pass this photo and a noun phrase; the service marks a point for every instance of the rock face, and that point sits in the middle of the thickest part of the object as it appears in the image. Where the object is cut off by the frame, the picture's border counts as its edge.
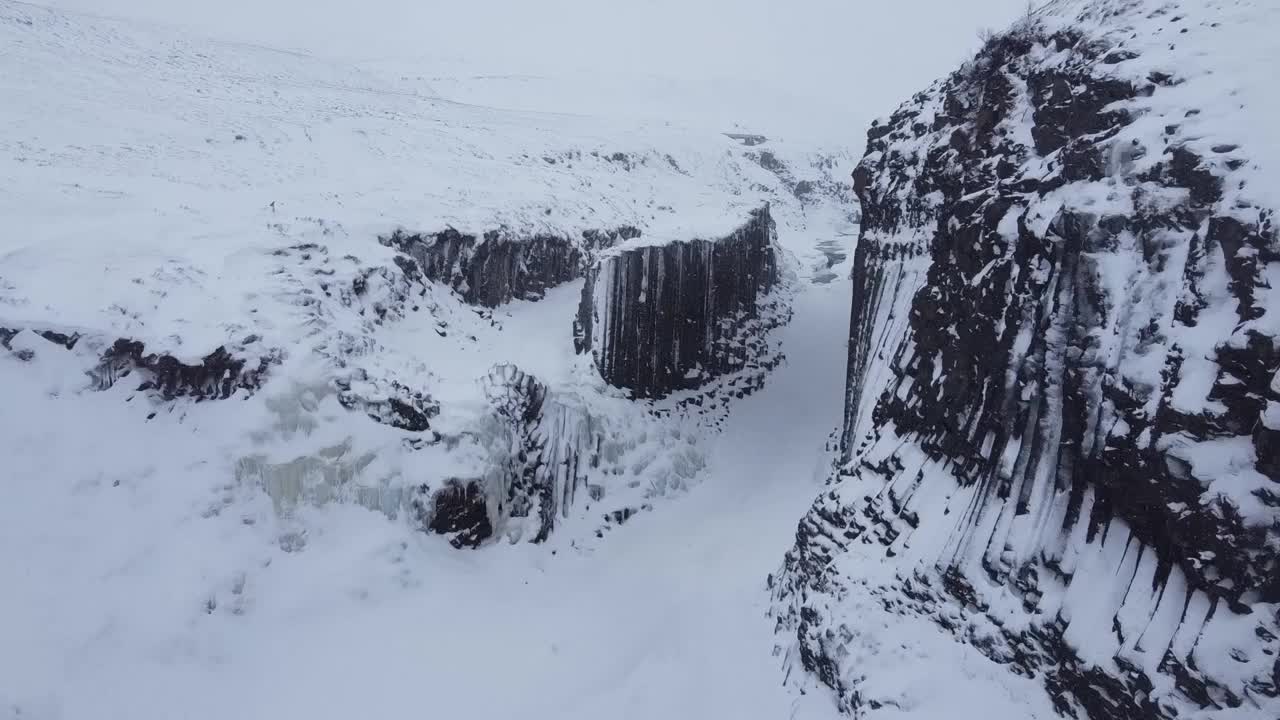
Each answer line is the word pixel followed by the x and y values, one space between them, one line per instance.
pixel 500 266
pixel 660 318
pixel 1063 379
pixel 546 448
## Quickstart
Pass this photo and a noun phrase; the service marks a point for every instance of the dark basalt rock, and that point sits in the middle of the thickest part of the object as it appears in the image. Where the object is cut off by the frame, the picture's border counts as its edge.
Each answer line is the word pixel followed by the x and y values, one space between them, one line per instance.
pixel 500 266
pixel 395 404
pixel 667 317
pixel 821 184
pixel 1007 393
pixel 457 509
pixel 66 341
pixel 543 451
pixel 216 377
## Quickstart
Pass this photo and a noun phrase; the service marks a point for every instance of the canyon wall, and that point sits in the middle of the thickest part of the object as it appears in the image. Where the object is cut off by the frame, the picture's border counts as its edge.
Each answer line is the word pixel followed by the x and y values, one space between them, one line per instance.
pixel 501 266
pixel 660 318
pixel 1064 376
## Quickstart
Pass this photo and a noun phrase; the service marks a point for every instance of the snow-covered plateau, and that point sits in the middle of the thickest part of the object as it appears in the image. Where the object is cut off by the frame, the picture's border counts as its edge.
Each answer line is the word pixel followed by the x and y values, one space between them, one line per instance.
pixel 337 388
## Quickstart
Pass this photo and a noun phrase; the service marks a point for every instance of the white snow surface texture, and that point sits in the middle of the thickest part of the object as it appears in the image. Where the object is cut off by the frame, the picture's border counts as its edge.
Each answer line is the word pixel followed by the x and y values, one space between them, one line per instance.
pixel 260 555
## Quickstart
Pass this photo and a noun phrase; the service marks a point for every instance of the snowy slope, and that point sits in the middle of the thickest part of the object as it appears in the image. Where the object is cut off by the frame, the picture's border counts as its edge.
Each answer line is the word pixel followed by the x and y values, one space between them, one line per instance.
pixel 231 408
pixel 781 69
pixel 231 197
pixel 1058 441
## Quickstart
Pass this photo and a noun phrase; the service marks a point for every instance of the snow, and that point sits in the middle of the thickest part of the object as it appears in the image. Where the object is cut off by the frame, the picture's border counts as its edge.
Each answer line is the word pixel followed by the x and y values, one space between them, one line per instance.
pixel 1271 416
pixel 255 556
pixel 203 156
pixel 753 65
pixel 252 557
pixel 140 601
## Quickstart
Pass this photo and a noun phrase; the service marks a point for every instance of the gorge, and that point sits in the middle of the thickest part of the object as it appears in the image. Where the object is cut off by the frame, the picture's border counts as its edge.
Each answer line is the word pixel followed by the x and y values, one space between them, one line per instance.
pixel 329 394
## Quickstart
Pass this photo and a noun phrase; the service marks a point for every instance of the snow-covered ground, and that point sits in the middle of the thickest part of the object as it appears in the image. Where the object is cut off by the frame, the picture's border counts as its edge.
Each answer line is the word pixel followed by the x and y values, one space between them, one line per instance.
pixel 129 605
pixel 192 193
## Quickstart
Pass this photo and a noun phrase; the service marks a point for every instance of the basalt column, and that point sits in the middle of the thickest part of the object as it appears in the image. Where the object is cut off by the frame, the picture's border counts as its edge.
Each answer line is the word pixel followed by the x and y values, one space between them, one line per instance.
pixel 664 317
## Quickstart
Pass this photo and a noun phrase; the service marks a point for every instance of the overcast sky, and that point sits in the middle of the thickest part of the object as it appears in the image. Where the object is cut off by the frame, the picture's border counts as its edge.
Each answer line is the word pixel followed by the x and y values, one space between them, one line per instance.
pixel 835 63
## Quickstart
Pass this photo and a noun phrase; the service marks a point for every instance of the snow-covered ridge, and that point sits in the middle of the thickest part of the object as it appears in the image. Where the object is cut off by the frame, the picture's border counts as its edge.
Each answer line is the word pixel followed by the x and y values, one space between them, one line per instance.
pixel 280 259
pixel 233 412
pixel 1063 352
pixel 224 152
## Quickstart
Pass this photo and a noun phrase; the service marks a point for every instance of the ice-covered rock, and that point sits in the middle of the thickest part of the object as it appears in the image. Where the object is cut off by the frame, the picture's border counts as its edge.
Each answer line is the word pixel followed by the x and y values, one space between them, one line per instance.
pixel 659 317
pixel 501 265
pixel 554 445
pixel 1061 362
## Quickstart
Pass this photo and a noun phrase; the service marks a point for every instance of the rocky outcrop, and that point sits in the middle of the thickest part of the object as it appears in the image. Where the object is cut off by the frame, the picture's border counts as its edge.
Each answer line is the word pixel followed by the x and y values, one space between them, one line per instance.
pixel 501 266
pixel 660 318
pixel 216 376
pixel 1063 377
pixel 459 509
pixel 543 448
pixel 389 402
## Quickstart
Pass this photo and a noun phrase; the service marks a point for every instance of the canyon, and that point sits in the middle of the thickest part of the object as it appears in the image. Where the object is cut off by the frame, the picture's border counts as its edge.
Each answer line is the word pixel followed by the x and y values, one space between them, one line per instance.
pixel 328 395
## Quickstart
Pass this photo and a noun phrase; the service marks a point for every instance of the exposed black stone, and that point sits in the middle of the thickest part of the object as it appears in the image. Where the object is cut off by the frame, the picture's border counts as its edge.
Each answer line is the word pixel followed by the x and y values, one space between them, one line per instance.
pixel 661 318
pixel 1187 170
pixel 965 396
pixel 748 139
pixel 391 403
pixel 502 266
pixel 457 509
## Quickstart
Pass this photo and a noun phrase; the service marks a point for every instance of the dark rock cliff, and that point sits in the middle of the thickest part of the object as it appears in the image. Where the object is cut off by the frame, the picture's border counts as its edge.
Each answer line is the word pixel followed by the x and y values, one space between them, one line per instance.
pixel 660 318
pixel 554 446
pixel 1064 381
pixel 501 266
